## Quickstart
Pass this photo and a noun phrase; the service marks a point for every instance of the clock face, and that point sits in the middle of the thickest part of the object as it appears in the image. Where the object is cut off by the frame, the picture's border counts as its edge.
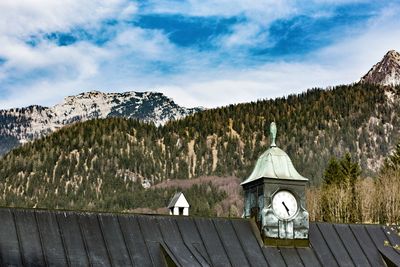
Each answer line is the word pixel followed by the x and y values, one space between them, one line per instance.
pixel 284 205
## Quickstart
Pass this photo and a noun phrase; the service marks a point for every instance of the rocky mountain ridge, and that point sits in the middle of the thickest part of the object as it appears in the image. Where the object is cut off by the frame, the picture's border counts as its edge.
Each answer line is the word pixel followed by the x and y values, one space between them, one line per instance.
pixel 385 72
pixel 20 125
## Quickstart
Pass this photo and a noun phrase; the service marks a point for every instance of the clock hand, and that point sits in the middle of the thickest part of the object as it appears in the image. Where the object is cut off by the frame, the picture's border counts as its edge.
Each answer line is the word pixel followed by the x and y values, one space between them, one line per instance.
pixel 287 210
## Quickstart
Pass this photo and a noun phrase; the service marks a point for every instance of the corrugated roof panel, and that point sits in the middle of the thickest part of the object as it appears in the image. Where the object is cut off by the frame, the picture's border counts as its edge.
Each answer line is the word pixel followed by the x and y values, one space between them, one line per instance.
pixel 94 240
pixel 115 241
pixel 350 243
pixel 308 257
pixel 211 241
pixel 366 244
pixel 9 250
pixel 53 247
pixel 172 238
pixel 231 243
pixel 250 245
pixel 320 247
pixel 134 240
pixel 72 239
pixel 152 236
pixel 335 244
pixel 30 244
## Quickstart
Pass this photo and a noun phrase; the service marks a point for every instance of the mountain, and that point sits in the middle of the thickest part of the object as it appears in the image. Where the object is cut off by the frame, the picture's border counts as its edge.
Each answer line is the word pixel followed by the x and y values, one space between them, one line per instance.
pixel 102 163
pixel 385 72
pixel 25 124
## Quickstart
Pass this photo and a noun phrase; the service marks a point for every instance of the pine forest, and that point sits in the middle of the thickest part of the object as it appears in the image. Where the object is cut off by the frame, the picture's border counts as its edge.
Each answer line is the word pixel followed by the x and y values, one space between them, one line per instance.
pixel 342 138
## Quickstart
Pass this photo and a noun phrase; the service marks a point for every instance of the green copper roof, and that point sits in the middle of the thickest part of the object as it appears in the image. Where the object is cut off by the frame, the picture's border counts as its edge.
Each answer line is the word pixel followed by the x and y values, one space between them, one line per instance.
pixel 274 163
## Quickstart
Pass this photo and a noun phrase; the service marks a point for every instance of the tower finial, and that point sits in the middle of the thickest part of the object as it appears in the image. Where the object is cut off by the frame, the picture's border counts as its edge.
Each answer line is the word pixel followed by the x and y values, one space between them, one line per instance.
pixel 272 130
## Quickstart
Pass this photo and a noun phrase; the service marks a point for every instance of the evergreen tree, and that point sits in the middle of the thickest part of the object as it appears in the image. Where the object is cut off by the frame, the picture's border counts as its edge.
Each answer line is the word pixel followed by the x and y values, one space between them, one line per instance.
pixel 333 174
pixel 340 177
pixel 350 170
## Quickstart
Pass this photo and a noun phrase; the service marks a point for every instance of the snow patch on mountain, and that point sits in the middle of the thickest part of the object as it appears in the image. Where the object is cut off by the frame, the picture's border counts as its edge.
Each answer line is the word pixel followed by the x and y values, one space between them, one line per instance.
pixel 25 124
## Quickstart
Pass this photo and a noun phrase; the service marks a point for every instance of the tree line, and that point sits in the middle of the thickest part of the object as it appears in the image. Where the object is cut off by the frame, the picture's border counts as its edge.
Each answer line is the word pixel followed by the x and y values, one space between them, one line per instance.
pixel 347 197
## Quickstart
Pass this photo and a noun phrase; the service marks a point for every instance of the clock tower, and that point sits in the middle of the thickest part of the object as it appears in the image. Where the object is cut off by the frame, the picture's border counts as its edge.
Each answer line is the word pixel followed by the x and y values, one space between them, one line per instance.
pixel 274 195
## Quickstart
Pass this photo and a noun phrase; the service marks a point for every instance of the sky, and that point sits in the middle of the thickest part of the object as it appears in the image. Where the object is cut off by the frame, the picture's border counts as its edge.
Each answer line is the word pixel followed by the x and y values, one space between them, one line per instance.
pixel 198 52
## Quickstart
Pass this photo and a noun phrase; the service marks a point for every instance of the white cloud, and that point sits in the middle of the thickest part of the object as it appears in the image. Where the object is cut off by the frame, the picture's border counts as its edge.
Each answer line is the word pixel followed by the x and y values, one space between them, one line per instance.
pixel 79 59
pixel 23 18
pixel 129 61
pixel 245 34
pixel 224 8
pixel 147 44
pixel 355 54
pixel 257 15
pixel 268 81
pixel 343 62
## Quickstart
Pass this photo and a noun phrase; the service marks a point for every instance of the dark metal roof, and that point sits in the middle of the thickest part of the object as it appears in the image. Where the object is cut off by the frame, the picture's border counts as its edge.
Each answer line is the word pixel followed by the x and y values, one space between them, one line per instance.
pixel 58 238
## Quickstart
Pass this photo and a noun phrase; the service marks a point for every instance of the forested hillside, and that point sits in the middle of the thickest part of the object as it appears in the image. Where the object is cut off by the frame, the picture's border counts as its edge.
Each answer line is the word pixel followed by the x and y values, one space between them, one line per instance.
pixel 100 164
pixel 20 125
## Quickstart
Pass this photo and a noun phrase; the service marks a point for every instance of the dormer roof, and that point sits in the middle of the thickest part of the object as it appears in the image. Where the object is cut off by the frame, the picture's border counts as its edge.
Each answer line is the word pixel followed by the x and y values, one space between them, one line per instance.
pixel 179 200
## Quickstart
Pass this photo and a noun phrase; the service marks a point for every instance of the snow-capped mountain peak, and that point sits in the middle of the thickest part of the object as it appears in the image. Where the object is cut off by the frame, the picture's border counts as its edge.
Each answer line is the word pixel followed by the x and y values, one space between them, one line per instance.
pixel 24 124
pixel 386 71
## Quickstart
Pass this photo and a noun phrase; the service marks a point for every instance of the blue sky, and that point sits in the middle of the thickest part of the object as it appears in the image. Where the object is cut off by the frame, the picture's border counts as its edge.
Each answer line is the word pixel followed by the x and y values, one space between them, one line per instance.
pixel 200 53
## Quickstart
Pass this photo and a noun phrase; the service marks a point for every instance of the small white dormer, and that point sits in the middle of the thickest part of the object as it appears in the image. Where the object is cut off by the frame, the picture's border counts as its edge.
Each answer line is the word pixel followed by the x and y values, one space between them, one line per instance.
pixel 179 205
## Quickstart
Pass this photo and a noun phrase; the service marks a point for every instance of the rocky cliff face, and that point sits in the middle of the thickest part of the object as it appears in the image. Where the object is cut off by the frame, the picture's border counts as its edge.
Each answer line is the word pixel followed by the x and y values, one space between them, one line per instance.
pixel 385 72
pixel 24 124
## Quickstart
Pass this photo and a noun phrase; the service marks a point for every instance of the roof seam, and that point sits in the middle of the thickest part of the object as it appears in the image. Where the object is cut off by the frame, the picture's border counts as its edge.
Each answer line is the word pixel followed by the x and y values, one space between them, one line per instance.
pixel 343 245
pixel 388 239
pixel 222 242
pixel 207 256
pixel 298 254
pixel 359 244
pixel 184 242
pixel 124 239
pixel 373 242
pixel 202 241
pixel 85 246
pixel 21 249
pixel 315 254
pixel 165 243
pixel 109 256
pixel 40 239
pixel 327 245
pixel 197 250
pixel 240 243
pixel 262 252
pixel 164 246
pixel 62 241
pixel 144 240
pixel 369 235
pixel 280 253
